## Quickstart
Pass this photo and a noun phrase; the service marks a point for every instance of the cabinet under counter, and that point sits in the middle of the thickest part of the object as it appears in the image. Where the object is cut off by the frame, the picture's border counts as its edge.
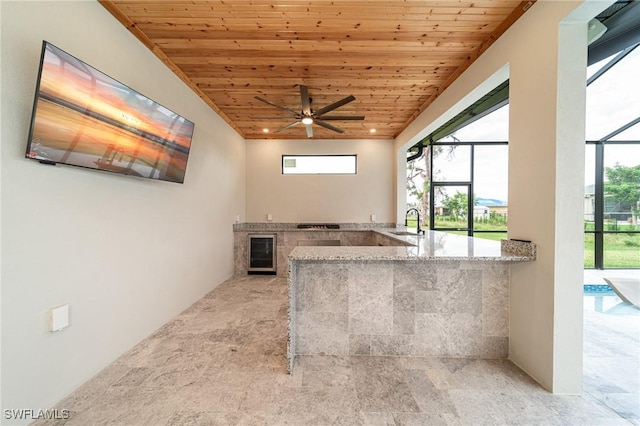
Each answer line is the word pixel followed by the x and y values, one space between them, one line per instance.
pixel 289 236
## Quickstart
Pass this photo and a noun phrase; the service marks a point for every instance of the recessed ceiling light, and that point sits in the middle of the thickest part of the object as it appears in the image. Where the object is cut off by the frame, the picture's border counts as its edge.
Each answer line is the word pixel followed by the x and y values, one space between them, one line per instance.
pixel 372 130
pixel 265 130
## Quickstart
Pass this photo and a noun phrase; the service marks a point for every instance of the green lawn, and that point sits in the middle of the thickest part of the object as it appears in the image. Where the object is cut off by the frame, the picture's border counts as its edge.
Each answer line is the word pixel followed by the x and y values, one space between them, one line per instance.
pixel 619 227
pixel 620 250
pixel 412 221
pixel 478 228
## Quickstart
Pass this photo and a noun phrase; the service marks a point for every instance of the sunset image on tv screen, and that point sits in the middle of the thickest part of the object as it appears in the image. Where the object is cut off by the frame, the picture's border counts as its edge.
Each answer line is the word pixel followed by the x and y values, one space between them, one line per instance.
pixel 85 118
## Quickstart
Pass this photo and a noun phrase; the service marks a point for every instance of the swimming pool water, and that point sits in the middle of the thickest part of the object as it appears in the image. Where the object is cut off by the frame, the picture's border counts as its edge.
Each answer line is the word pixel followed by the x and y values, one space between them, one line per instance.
pixel 597 289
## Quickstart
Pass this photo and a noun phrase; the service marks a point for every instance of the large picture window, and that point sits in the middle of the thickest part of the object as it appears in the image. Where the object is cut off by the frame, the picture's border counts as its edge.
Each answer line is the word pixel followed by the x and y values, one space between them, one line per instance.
pixel 612 168
pixel 473 199
pixel 461 180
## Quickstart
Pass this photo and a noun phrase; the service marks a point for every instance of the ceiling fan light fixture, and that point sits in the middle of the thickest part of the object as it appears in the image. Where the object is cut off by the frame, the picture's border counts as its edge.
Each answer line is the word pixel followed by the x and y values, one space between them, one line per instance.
pixel 308 117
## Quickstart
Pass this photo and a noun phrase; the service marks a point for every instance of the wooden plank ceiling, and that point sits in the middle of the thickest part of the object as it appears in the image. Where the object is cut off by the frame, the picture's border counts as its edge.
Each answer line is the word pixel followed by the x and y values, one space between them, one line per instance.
pixel 394 56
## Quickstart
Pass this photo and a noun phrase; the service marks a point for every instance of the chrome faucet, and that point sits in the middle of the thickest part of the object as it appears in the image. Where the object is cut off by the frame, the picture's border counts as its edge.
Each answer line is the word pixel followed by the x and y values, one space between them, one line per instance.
pixel 418 231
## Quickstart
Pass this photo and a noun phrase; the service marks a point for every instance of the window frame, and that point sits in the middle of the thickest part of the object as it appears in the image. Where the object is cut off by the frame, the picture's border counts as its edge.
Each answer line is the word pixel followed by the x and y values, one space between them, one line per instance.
pixel 469 184
pixel 599 232
pixel 287 156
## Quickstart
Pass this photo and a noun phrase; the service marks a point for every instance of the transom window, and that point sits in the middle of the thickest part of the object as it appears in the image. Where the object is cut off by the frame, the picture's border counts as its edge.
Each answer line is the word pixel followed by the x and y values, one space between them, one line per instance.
pixel 319 164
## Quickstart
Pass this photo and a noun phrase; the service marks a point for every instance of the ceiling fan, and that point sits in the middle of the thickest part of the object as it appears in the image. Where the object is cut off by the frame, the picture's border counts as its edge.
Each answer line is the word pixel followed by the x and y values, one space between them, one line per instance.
pixel 307 116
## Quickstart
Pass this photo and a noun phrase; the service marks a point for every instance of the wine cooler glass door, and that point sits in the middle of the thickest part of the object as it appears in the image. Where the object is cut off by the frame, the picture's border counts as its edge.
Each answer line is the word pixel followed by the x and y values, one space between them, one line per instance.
pixel 262 253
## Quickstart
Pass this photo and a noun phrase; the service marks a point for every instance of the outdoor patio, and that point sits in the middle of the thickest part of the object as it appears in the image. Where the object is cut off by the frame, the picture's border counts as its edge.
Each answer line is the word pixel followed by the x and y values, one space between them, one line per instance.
pixel 612 347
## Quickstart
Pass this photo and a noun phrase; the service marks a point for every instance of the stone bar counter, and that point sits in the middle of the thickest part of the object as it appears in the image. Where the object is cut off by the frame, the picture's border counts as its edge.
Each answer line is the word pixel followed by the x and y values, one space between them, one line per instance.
pixel 289 236
pixel 441 295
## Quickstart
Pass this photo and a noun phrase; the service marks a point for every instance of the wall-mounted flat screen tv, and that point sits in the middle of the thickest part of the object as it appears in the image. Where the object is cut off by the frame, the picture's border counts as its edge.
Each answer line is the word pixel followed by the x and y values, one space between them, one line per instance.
pixel 82 117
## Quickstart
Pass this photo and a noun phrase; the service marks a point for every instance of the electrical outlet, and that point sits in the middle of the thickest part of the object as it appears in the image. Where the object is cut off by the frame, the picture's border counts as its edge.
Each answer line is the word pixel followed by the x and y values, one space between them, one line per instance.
pixel 59 318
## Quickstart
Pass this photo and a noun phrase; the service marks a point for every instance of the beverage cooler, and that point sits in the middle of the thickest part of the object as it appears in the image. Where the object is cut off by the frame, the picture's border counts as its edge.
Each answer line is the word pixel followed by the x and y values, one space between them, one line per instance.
pixel 262 254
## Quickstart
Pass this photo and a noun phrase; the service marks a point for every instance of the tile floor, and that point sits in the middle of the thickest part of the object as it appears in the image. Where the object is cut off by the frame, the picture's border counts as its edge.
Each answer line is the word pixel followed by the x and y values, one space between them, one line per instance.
pixel 612 349
pixel 222 361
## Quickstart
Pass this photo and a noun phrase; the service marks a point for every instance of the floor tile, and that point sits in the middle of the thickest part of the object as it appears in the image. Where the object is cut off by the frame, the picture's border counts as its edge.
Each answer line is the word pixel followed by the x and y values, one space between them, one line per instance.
pixel 223 362
pixel 381 385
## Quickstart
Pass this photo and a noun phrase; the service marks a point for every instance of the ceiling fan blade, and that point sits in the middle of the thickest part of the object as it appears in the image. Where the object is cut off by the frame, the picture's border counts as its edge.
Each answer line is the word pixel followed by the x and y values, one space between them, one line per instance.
pixel 309 130
pixel 288 126
pixel 328 126
pixel 266 101
pixel 335 105
pixel 304 100
pixel 340 117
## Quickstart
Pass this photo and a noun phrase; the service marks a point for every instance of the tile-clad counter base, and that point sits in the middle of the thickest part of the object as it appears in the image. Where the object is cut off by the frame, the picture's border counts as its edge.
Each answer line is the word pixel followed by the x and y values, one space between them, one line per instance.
pixel 396 307
pixel 286 241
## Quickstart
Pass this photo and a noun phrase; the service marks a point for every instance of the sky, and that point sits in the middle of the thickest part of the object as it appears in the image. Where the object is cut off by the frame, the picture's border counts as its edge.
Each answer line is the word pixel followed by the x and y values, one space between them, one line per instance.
pixel 612 101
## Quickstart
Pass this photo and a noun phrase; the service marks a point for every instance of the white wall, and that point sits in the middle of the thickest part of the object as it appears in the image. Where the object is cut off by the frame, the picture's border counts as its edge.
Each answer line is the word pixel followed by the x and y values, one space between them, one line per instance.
pixel 326 198
pixel 540 87
pixel 126 254
pixel 547 71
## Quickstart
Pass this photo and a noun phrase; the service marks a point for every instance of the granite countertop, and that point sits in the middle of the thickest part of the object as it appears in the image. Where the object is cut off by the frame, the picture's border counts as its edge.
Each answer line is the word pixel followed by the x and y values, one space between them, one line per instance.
pixel 433 245
pixel 308 227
